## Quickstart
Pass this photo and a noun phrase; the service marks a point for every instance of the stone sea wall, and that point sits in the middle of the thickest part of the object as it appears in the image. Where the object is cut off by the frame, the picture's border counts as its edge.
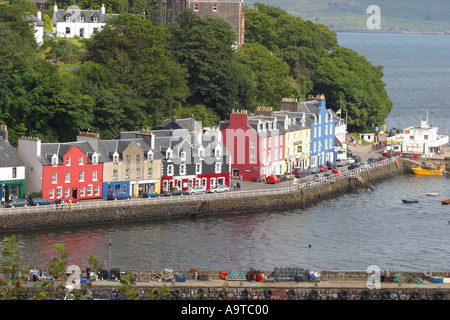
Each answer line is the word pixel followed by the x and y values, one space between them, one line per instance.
pixel 182 209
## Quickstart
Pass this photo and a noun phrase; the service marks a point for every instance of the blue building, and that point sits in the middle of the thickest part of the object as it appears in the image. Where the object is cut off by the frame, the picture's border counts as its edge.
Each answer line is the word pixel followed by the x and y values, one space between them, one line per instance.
pixel 322 130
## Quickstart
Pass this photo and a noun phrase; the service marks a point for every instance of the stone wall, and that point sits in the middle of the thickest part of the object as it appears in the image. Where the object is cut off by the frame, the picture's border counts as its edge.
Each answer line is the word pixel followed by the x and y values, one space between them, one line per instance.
pixel 182 209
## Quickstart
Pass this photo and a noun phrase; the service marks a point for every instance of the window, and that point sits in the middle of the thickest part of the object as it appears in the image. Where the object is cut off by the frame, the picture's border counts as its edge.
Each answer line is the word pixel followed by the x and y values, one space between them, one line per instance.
pixel 183 156
pixel 81 176
pixel 67 18
pixel 115 157
pixel 149 172
pixel 169 154
pixel 138 172
pixel 196 6
pixel 89 190
pixel 67 192
pixel 182 169
pixel 54 160
pixel 170 170
pixel 82 18
pixel 95 18
pixel 127 173
pixel 51 193
pixel 82 191
pixel 127 158
pixel 67 30
pixel 97 190
pixel 54 177
pixel 201 153
pixel 150 156
pixel 218 151
pixel 253 157
pixel 115 174
pixel 138 158
pixel 214 7
pixel 94 175
pixel 59 192
pixel 68 161
pixel 14 172
pixel 198 168
pixel 425 137
pixel 95 158
pixel 253 143
pixel 67 177
pixel 281 153
pixel 80 161
pixel 218 167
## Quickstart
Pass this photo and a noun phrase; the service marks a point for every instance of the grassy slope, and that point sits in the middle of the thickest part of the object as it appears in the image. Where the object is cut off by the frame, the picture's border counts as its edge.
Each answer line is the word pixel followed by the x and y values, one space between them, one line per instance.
pixel 396 16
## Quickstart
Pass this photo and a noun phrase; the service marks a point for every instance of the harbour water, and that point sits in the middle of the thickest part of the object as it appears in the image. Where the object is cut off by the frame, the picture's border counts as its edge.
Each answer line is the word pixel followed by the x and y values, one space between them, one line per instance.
pixel 350 232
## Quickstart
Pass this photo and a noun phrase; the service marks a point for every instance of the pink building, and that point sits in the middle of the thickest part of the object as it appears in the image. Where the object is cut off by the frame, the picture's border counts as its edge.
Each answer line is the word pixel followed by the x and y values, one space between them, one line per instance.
pixel 256 144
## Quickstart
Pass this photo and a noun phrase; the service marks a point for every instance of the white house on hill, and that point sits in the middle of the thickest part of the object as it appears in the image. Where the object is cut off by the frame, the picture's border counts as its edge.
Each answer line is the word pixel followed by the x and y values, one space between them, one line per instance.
pixel 72 22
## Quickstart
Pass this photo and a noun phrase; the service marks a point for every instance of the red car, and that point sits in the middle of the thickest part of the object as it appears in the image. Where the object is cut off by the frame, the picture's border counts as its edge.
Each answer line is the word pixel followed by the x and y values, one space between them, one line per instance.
pixel 323 168
pixel 336 172
pixel 272 179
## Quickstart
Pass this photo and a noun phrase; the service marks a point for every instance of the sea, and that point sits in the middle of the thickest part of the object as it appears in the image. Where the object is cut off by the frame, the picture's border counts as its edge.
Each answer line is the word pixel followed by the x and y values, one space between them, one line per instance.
pixel 349 232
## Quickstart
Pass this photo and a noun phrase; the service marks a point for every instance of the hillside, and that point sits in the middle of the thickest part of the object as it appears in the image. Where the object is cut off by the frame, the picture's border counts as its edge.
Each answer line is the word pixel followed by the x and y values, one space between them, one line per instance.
pixel 408 16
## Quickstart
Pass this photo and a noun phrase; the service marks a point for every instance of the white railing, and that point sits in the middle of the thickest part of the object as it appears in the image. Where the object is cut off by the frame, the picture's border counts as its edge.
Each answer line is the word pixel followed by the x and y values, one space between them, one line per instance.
pixel 102 203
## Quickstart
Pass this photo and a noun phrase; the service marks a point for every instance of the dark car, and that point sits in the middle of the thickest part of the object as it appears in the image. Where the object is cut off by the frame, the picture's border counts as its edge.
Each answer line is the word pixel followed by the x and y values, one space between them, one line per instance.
pixel 17 203
pixel 300 173
pixel 357 158
pixel 353 166
pixel 175 192
pixel 372 160
pixel 151 194
pixel 331 165
pixel 282 177
pixel 40 202
pixel 118 195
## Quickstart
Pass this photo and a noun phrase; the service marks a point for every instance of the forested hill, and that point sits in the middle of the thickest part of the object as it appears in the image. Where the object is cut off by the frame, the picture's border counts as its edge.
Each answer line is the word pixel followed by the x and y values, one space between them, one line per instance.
pixel 137 72
pixel 401 16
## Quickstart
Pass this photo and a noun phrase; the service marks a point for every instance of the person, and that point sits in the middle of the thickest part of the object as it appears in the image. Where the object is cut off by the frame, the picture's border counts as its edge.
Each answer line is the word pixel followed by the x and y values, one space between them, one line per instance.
pixel 297 276
pixel 238 185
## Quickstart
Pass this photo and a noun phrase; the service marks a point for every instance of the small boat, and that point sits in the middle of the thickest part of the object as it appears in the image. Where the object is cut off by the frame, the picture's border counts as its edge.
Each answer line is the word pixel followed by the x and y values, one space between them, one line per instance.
pixel 410 201
pixel 446 201
pixel 432 194
pixel 426 172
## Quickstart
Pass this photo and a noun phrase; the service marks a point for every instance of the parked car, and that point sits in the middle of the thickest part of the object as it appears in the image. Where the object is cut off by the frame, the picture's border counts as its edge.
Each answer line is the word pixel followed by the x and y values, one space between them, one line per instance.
pixel 349 153
pixel 327 174
pixel 336 172
pixel 372 160
pixel 318 176
pixel 341 162
pixel 40 202
pixel 363 164
pixel 72 200
pixel 391 153
pixel 353 166
pixel 197 190
pixel 323 168
pixel 175 192
pixel 382 158
pixel 350 160
pixel 300 172
pixel 282 177
pixel 357 158
pixel 272 179
pixel 17 203
pixel 151 194
pixel 117 195
pixel 219 188
pixel 314 170
pixel 331 165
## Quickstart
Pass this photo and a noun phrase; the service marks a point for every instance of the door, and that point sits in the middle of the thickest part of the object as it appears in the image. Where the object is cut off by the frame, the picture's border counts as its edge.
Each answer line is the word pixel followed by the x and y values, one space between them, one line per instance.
pixel 75 193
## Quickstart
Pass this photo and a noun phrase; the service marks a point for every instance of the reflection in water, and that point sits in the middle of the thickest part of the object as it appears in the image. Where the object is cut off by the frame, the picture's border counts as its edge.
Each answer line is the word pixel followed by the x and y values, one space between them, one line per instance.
pixel 349 232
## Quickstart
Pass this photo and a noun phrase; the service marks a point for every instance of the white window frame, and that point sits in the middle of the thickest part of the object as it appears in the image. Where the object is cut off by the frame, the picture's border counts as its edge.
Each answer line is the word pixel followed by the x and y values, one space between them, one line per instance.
pixel 94 175
pixel 170 170
pixel 81 161
pixel 97 190
pixel 218 167
pixel 51 193
pixel 89 190
pixel 59 192
pixel 68 161
pixel 67 177
pixel 81 176
pixel 67 192
pixel 82 191
pixel 182 169
pixel 54 177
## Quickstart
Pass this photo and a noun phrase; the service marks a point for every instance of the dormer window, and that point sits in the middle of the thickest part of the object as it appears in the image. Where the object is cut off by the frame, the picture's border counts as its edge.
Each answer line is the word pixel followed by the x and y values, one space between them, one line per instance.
pixel 201 152
pixel 115 157
pixel 95 18
pixel 54 160
pixel 169 154
pixel 218 151
pixel 82 18
pixel 183 156
pixel 95 158
pixel 67 17
pixel 150 155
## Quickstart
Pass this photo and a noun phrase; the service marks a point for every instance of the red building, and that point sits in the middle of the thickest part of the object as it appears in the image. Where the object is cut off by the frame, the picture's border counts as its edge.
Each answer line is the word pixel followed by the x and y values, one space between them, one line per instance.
pixel 62 170
pixel 256 145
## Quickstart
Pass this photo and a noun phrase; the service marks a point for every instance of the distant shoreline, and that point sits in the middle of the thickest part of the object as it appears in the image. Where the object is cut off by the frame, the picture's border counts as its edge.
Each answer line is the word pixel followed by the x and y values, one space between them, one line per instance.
pixel 392 32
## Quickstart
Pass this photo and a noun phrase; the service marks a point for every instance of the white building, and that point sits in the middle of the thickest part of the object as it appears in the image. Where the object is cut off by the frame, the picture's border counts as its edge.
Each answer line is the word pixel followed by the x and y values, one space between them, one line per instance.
pixel 422 141
pixel 38 26
pixel 72 22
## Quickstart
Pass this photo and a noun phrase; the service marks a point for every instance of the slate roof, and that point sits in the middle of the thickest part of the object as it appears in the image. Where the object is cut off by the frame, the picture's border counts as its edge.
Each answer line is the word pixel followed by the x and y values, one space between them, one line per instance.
pixel 32 17
pixel 109 147
pixel 60 149
pixel 8 156
pixel 75 16
pixel 187 123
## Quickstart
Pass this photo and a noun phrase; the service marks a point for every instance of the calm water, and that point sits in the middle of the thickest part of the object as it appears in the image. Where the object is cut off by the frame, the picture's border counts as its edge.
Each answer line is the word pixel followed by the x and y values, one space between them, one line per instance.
pixel 346 233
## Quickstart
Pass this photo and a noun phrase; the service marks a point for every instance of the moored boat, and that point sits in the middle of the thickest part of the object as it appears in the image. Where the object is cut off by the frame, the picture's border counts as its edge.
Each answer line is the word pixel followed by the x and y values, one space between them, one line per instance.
pixel 446 201
pixel 432 194
pixel 427 172
pixel 410 201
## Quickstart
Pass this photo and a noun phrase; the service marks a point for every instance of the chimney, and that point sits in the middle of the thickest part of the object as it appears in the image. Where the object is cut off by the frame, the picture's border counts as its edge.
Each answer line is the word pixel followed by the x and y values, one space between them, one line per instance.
pixel 290 104
pixel 264 111
pixel 92 138
pixel 239 118
pixel 103 8
pixel 39 15
pixel 148 136
pixel 27 144
pixel 55 7
pixel 4 131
